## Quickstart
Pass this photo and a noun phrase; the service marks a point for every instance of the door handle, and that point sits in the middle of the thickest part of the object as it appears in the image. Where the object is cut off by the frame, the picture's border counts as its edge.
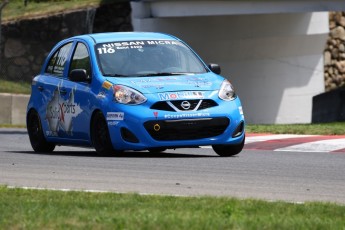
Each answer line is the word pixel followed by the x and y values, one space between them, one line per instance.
pixel 40 88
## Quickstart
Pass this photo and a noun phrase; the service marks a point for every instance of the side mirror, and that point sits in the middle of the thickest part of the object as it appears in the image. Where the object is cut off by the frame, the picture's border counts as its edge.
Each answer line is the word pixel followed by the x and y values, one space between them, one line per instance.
pixel 215 68
pixel 79 75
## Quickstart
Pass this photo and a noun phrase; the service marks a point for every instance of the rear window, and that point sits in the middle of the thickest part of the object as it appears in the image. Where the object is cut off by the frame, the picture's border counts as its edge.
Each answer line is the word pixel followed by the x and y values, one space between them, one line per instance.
pixel 57 63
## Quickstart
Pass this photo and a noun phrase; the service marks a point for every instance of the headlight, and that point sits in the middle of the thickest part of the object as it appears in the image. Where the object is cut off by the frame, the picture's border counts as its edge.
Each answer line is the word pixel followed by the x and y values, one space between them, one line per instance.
pixel 227 92
pixel 126 95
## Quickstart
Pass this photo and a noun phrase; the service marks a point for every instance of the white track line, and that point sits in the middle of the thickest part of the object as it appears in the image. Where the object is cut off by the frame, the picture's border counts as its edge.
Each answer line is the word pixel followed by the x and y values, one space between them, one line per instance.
pixel 316 146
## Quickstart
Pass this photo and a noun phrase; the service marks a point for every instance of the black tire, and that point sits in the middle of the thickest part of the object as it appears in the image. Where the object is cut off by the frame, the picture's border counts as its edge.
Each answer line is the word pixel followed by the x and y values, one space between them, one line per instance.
pixel 157 150
pixel 100 136
pixel 228 150
pixel 36 136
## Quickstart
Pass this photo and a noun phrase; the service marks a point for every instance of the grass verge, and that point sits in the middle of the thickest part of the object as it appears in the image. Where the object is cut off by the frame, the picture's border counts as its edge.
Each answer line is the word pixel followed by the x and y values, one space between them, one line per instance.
pixel 14 87
pixel 12 126
pixel 40 209
pixel 334 128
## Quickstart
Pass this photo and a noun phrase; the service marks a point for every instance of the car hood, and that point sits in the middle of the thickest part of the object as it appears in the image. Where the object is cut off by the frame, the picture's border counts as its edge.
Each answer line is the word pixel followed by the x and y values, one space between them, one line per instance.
pixel 200 82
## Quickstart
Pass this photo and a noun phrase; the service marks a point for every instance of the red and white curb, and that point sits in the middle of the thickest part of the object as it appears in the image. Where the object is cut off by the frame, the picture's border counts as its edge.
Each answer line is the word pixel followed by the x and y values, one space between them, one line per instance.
pixel 296 143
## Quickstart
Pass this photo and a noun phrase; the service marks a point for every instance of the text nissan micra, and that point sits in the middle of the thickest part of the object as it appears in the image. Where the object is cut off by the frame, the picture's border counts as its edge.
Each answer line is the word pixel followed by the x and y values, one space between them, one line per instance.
pixel 132 91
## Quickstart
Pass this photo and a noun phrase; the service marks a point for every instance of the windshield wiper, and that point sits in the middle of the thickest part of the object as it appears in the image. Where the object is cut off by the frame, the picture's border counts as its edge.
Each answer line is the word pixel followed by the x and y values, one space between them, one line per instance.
pixel 161 74
pixel 148 74
pixel 115 75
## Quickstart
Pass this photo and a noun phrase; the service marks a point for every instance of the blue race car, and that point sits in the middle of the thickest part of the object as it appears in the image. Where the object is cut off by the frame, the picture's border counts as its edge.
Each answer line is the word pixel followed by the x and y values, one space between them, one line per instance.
pixel 132 91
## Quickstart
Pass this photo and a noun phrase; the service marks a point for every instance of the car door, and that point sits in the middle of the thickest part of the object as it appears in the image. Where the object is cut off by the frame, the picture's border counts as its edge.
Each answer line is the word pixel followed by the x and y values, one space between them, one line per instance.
pixel 50 85
pixel 76 108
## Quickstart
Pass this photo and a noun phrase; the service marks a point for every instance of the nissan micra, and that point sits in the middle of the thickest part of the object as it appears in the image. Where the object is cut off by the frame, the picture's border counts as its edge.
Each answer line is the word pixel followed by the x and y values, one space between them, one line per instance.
pixel 132 91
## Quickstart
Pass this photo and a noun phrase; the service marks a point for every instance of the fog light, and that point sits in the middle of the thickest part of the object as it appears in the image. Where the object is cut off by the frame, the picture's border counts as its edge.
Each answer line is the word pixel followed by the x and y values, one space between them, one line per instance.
pixel 128 136
pixel 239 130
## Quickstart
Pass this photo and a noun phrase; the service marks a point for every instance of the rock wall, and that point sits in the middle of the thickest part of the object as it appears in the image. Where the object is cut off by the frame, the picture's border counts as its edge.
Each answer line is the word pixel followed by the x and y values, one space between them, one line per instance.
pixel 334 55
pixel 26 43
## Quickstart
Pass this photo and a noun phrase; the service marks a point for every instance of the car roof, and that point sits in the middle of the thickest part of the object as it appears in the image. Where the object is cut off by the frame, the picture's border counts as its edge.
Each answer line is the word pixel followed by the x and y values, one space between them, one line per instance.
pixel 125 36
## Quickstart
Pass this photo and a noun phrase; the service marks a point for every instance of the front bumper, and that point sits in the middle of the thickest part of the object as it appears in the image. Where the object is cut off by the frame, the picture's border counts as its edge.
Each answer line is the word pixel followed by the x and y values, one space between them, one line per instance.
pixel 143 128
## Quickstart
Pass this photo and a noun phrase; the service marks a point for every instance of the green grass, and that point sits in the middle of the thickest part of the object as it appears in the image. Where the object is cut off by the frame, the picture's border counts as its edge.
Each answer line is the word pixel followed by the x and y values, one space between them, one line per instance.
pixel 12 126
pixel 16 9
pixel 335 128
pixel 36 209
pixel 14 87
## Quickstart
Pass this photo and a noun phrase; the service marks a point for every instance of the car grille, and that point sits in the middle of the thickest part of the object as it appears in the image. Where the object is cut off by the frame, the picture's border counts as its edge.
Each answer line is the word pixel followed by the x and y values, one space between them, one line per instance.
pixel 188 129
pixel 176 106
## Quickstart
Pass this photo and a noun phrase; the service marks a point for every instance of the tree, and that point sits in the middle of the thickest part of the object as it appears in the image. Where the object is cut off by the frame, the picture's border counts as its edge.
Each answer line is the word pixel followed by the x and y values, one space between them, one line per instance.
pixel 2 5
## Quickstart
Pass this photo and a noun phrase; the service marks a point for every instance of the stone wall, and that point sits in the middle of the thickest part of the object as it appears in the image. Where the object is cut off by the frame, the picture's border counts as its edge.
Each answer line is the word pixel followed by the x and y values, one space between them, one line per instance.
pixel 26 43
pixel 334 56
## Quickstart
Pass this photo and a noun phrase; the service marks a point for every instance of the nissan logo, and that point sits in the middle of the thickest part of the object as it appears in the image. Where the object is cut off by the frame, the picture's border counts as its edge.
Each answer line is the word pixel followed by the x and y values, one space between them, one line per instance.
pixel 185 105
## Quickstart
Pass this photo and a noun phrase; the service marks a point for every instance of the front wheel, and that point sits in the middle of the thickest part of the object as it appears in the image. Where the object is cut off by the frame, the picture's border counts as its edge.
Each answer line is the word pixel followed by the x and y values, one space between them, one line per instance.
pixel 100 135
pixel 228 150
pixel 36 136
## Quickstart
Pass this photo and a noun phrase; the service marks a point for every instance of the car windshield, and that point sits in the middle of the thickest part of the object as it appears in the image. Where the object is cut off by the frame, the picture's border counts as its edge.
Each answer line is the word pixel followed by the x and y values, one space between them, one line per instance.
pixel 147 58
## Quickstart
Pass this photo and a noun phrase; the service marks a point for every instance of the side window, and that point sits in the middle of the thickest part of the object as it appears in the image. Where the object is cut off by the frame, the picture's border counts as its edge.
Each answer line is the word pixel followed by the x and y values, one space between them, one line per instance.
pixel 57 63
pixel 81 59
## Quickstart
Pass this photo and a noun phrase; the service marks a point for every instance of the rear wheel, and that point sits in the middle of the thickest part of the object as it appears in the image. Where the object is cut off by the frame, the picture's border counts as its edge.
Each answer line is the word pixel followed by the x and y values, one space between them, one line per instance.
pixel 228 150
pixel 36 136
pixel 100 135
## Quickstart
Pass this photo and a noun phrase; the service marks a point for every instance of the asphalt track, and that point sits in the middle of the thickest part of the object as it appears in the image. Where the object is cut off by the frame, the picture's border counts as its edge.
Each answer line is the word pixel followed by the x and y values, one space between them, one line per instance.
pixel 270 174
